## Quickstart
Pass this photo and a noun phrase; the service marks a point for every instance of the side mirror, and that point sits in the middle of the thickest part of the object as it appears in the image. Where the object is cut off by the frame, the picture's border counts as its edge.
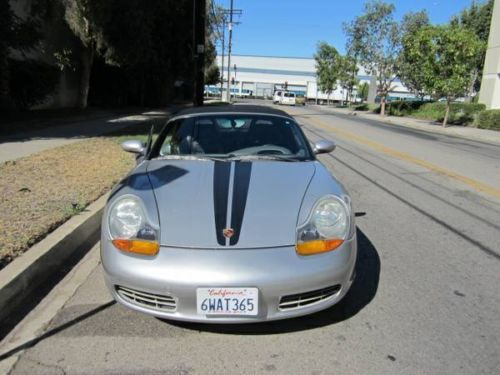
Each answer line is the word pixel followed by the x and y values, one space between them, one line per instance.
pixel 134 146
pixel 323 147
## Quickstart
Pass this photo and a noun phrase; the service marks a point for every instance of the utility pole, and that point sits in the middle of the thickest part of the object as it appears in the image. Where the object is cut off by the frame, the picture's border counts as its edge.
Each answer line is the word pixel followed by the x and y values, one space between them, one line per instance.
pixel 231 12
pixel 235 78
pixel 229 52
pixel 222 57
pixel 199 20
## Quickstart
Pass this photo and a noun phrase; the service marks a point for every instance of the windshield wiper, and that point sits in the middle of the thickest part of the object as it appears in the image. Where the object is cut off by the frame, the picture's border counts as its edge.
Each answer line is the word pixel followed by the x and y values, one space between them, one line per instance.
pixel 192 157
pixel 265 157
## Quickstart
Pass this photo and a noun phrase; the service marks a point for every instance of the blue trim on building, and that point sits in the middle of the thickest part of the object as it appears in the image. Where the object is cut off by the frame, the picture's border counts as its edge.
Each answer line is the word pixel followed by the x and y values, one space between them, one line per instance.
pixel 273 71
pixel 290 73
pixel 277 57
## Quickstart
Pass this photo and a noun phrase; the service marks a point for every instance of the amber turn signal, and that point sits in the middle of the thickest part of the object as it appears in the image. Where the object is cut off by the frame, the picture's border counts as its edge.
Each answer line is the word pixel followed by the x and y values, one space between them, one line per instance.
pixel 318 246
pixel 137 246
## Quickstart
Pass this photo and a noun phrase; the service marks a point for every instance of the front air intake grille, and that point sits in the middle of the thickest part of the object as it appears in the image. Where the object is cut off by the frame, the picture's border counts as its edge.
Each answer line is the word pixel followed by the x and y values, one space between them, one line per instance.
pixel 147 300
pixel 295 301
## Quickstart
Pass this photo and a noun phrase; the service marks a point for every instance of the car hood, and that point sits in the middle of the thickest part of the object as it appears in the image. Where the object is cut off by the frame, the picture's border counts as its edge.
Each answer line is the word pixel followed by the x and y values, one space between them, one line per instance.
pixel 207 204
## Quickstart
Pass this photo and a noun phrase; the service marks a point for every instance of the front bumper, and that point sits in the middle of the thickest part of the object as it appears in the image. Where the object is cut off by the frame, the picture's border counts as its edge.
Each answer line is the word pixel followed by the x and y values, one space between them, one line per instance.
pixel 175 274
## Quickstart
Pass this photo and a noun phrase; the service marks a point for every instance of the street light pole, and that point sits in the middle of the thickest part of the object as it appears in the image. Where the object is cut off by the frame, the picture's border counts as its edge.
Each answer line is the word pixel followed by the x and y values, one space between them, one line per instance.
pixel 229 52
pixel 222 62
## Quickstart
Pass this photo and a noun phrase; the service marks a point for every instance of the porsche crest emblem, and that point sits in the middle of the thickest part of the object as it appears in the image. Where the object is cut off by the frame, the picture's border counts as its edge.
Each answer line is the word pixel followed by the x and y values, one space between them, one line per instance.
pixel 228 232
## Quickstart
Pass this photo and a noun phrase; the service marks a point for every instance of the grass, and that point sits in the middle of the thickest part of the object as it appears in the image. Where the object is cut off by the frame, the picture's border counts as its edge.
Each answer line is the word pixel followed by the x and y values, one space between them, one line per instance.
pixel 40 192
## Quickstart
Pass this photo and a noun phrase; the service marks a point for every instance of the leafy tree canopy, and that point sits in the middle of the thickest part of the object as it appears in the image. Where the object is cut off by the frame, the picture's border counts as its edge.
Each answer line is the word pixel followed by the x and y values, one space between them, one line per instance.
pixel 445 55
pixel 409 70
pixel 328 66
pixel 376 38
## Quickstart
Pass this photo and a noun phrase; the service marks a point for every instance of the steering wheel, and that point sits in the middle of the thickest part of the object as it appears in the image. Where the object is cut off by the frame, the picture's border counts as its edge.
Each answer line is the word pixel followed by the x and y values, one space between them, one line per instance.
pixel 264 150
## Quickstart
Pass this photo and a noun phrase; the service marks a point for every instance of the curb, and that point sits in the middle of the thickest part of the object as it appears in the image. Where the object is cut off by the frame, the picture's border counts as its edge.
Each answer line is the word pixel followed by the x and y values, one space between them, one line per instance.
pixel 30 330
pixel 19 281
pixel 422 128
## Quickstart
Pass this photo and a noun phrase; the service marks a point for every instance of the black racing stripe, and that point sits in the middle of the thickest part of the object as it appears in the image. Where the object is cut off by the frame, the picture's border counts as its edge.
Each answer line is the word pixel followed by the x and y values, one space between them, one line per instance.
pixel 222 171
pixel 242 173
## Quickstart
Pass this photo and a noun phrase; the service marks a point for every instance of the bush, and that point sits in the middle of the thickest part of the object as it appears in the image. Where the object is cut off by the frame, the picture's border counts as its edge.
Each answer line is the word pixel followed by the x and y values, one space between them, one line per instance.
pixel 403 107
pixel 489 119
pixel 31 82
pixel 361 107
pixel 460 113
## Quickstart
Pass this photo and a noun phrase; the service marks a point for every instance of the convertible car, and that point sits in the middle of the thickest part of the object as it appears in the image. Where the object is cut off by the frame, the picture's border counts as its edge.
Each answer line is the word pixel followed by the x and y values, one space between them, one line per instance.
pixel 229 217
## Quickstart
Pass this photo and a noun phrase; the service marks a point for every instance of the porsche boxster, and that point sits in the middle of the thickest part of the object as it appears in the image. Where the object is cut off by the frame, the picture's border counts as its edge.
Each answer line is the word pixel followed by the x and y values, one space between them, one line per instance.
pixel 229 217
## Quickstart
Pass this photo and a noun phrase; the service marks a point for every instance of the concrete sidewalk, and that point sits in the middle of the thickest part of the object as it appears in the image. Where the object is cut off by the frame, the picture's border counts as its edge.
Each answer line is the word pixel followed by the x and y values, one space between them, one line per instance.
pixel 482 135
pixel 23 144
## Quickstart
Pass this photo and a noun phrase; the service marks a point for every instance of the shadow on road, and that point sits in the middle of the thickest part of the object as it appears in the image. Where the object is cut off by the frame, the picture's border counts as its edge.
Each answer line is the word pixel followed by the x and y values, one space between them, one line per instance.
pixel 360 295
pixel 52 332
pixel 91 127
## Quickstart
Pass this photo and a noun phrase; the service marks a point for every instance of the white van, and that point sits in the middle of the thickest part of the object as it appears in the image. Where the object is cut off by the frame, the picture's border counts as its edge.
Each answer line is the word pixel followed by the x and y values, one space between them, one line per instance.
pixel 284 97
pixel 288 98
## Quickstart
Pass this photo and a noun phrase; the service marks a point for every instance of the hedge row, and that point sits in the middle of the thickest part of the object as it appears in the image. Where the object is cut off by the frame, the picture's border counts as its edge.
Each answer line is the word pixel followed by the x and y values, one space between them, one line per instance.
pixel 460 113
pixel 489 119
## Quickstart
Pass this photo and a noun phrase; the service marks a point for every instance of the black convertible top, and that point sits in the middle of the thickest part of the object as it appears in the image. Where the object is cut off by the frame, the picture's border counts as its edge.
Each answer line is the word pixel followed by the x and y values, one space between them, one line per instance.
pixel 238 108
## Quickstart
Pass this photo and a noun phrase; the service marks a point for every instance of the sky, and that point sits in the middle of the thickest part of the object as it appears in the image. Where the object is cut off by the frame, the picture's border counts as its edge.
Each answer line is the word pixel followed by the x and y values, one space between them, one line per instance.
pixel 293 28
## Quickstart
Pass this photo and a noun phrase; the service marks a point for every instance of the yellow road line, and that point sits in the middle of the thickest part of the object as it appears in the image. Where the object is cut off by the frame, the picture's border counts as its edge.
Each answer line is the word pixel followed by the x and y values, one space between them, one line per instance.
pixel 479 186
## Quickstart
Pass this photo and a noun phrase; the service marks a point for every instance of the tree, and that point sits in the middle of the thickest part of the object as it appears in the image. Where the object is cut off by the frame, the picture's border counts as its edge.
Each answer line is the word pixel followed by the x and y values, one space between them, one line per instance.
pixel 409 70
pixel 212 75
pixel 354 45
pixel 80 16
pixel 445 55
pixel 363 91
pixel 377 39
pixel 6 24
pixel 151 42
pixel 477 19
pixel 348 75
pixel 328 66
pixel 24 80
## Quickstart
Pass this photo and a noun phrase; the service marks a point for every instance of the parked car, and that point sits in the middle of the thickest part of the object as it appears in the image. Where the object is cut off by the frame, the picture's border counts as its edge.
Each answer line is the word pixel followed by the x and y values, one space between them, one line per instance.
pixel 229 218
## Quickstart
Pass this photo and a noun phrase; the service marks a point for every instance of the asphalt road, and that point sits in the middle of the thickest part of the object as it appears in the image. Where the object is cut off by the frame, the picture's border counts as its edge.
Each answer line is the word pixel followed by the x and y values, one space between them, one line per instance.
pixel 426 298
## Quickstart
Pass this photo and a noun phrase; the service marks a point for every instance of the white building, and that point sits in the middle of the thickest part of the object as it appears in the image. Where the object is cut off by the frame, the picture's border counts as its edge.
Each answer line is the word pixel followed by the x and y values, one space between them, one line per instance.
pixel 263 74
pixel 490 86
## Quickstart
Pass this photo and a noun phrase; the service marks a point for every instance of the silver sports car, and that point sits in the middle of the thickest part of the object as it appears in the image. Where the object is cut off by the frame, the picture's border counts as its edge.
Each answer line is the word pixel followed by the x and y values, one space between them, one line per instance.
pixel 229 218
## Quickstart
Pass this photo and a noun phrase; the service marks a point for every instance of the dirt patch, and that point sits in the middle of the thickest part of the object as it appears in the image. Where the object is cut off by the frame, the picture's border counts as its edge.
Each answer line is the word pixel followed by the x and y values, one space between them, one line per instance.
pixel 40 192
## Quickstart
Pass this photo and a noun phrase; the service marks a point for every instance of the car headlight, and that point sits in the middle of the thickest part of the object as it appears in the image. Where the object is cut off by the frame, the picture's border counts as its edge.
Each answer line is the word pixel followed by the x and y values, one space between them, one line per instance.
pixel 326 228
pixel 129 228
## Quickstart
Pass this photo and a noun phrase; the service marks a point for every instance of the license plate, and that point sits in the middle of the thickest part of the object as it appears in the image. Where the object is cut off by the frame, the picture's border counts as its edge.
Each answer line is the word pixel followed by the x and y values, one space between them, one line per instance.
pixel 227 301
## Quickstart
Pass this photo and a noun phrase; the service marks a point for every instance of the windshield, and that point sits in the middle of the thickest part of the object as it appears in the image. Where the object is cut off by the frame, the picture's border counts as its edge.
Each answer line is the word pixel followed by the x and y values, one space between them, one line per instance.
pixel 233 136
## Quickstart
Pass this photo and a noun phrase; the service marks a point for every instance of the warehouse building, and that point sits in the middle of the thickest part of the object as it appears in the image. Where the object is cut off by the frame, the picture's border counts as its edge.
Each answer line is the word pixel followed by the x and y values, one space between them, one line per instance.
pixel 490 87
pixel 262 75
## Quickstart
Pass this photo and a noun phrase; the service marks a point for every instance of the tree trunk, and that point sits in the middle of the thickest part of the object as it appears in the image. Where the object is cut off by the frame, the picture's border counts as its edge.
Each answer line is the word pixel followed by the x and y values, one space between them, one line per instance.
pixel 471 86
pixel 86 68
pixel 5 30
pixel 446 113
pixel 382 105
pixel 328 100
pixel 4 81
